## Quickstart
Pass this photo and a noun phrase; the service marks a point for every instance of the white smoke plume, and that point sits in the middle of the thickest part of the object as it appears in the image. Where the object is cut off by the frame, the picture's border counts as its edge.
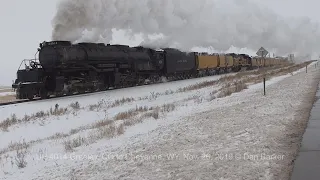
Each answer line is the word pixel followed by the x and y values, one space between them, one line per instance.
pixel 185 24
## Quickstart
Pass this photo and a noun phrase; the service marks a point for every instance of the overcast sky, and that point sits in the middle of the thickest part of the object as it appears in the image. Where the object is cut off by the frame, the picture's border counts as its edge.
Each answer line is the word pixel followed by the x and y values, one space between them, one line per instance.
pixel 24 24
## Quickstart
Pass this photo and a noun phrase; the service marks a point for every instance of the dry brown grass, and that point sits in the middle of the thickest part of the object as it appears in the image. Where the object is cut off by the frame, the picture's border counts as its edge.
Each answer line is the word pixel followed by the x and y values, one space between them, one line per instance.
pixel 69 145
pixel 167 108
pixel 155 114
pixel 239 82
pixel 198 86
pixel 131 113
pixel 20 158
pixel 21 149
pixel 13 120
pixel 102 129
pixel 75 106
pixel 122 101
pixel 101 123
pixel 104 105
pixel 109 129
pixel 231 88
pixel 230 78
pixel 18 145
pixel 102 132
pixel 4 125
pixel 57 111
pixel 154 95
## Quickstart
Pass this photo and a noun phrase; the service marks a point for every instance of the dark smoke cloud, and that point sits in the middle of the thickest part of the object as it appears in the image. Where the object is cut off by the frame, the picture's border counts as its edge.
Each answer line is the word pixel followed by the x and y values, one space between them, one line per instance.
pixel 185 24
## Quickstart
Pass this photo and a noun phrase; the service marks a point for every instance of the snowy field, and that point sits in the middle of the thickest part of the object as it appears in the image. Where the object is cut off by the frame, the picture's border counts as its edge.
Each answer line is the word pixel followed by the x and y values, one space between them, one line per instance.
pixel 176 130
pixel 5 91
pixel 6 95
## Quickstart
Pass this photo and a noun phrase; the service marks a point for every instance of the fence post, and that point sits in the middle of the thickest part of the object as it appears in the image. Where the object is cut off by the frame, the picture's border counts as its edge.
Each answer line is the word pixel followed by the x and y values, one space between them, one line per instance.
pixel 264 85
pixel 306 68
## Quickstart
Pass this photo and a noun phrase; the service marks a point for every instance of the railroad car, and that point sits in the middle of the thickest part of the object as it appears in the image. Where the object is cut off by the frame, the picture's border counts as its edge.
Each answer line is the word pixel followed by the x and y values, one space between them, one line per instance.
pixel 261 62
pixel 254 62
pixel 178 64
pixel 230 63
pixel 277 61
pixel 245 60
pixel 271 60
pixel 208 64
pixel 238 62
pixel 222 63
pixel 266 62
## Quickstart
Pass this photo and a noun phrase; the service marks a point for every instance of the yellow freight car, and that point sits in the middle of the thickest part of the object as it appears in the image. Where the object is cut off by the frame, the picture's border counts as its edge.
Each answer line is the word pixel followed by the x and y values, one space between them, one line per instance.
pixel 254 62
pixel 273 62
pixel 208 62
pixel 266 62
pixel 236 61
pixel 260 62
pixel 270 61
pixel 222 61
pixel 229 61
pixel 276 62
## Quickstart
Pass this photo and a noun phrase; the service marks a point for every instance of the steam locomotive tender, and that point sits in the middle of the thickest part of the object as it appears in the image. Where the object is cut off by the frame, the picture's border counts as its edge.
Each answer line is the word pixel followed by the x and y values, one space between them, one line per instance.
pixel 65 68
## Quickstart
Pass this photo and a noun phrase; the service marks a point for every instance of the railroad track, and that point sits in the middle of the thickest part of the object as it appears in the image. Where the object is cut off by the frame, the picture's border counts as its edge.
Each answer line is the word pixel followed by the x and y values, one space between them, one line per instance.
pixel 56 97
pixel 13 102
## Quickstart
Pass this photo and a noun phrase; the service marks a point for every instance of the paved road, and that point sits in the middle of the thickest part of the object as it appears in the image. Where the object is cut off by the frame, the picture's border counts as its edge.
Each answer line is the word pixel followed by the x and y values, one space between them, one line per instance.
pixel 307 165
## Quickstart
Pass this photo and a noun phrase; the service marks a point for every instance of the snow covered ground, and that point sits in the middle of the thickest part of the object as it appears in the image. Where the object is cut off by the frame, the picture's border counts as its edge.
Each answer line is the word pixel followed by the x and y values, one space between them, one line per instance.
pixel 5 91
pixel 194 136
pixel 6 95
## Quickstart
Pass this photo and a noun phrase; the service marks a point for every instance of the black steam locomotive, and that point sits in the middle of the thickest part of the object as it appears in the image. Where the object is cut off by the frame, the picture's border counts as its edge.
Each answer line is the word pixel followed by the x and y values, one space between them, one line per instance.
pixel 64 68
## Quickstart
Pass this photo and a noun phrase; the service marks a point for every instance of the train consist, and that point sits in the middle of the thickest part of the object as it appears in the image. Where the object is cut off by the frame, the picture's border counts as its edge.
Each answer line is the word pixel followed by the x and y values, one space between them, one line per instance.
pixel 63 68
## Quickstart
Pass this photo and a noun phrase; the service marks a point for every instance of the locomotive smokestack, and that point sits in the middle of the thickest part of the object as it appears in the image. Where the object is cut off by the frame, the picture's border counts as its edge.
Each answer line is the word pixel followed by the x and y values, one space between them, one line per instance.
pixel 185 24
